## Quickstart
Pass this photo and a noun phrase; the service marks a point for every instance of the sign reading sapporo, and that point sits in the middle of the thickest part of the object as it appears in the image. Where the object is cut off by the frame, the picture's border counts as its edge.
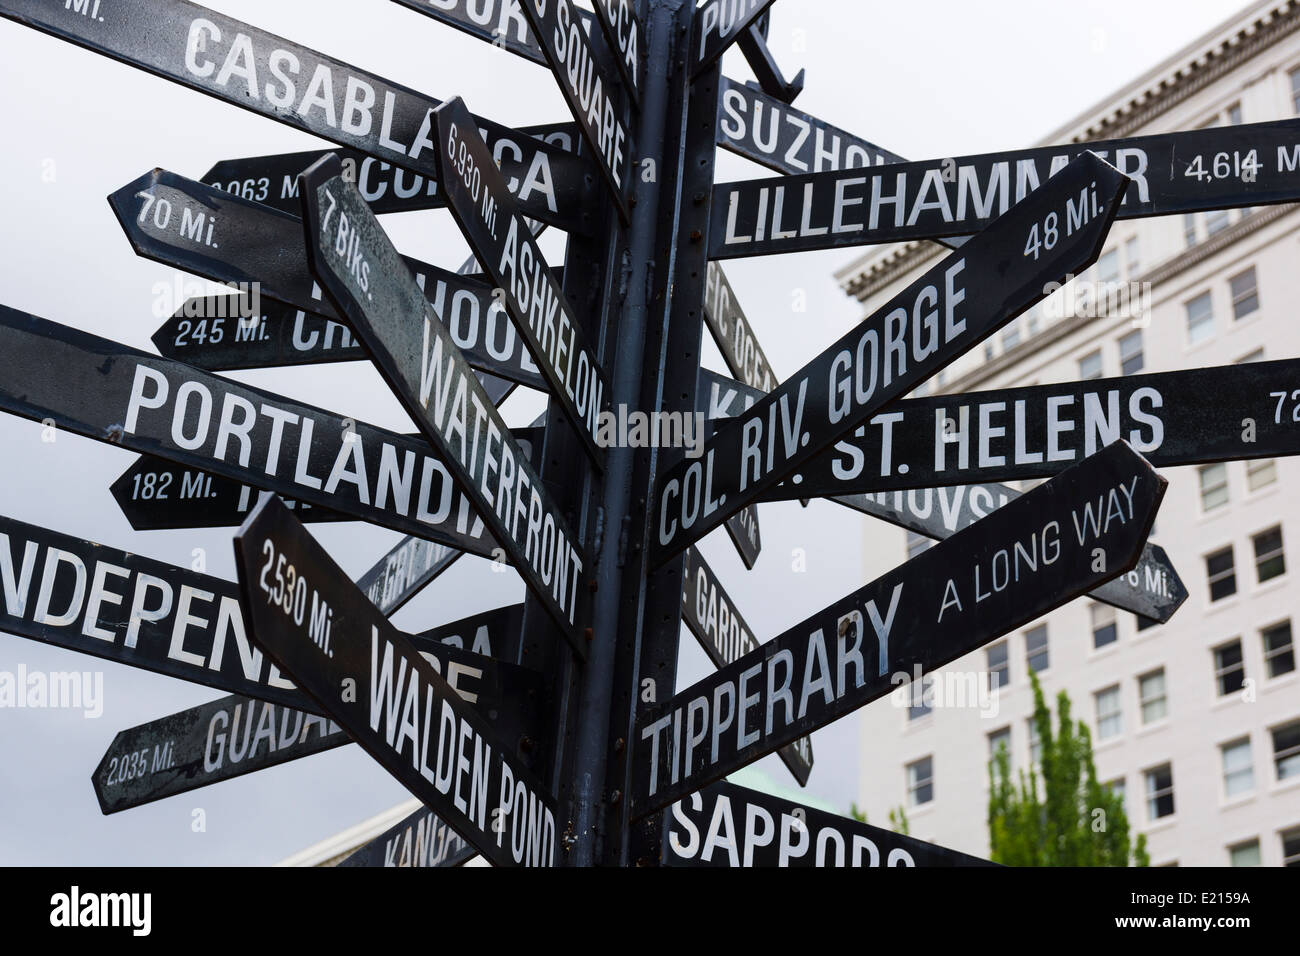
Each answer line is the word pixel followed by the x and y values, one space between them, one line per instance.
pixel 504 245
pixel 341 650
pixel 939 316
pixel 1061 539
pixel 364 276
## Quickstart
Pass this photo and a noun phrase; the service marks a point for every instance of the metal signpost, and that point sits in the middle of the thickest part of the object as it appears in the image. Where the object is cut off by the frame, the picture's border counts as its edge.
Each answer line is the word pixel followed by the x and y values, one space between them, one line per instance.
pixel 554 732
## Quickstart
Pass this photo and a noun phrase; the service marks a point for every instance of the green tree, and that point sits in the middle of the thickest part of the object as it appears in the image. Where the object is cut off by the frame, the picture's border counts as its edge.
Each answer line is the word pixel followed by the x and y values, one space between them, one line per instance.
pixel 1075 821
pixel 897 818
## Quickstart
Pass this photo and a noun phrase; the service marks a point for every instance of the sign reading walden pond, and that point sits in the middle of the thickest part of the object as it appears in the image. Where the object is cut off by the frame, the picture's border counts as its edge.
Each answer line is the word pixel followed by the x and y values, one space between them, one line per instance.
pixel 541 733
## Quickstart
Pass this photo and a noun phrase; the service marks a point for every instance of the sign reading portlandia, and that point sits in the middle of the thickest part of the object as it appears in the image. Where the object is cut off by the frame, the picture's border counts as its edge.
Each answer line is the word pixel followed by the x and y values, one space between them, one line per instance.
pixel 377 687
pixel 724 825
pixel 362 274
pixel 274 77
pixel 625 35
pixel 726 636
pixel 503 243
pixel 1223 167
pixel 236 735
pixel 718 23
pixel 420 840
pixel 112 393
pixel 945 312
pixel 1065 537
pixel 591 86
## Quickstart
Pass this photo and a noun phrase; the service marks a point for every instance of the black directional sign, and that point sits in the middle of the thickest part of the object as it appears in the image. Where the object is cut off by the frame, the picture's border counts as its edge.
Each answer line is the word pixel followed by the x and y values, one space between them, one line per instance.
pixel 421 839
pixel 273 180
pixel 499 22
pixel 112 393
pixel 625 35
pixel 1152 588
pixel 1061 539
pixel 365 278
pixel 942 314
pixel 1224 167
pixel 503 244
pixel 378 688
pixel 745 534
pixel 287 82
pixel 590 85
pixel 718 23
pixel 724 825
pixel 726 636
pixel 717 396
pixel 236 735
pixel 211 233
pixel 732 331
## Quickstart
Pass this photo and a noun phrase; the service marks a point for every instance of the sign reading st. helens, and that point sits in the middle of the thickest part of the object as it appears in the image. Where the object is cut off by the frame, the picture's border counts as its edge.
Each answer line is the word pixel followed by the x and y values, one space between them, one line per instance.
pixel 274 77
pixel 718 23
pixel 501 240
pixel 724 825
pixel 365 278
pixel 1224 167
pixel 378 688
pixel 1063 538
pixel 1056 231
pixel 591 87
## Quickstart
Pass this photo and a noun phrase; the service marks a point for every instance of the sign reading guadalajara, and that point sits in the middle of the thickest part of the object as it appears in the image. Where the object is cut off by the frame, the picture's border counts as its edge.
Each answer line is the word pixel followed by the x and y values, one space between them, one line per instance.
pixel 1251 165
pixel 365 278
pixel 284 81
pixel 503 243
pixel 400 710
pixel 1080 529
pixel 589 87
pixel 718 23
pixel 966 297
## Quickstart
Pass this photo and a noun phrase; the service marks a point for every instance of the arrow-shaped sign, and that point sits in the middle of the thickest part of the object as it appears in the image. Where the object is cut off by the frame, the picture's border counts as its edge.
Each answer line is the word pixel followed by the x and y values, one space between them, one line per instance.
pixel 419 840
pixel 718 23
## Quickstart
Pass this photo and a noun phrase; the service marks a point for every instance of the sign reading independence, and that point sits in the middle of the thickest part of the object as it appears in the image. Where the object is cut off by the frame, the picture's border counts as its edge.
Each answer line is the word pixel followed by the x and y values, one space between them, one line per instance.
pixel 236 735
pixel 1080 529
pixel 501 240
pixel 279 79
pixel 948 310
pixel 1251 165
pixel 420 840
pixel 402 712
pixel 364 276
pixel 711 615
pixel 718 23
pixel 591 89
pixel 724 825
pixel 112 393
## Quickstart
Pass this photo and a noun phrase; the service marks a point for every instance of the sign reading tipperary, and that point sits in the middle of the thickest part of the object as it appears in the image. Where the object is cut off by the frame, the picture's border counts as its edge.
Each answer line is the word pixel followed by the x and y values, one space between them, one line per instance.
pixel 718 23
pixel 420 840
pixel 722 631
pixel 949 309
pixel 274 77
pixel 1078 530
pixel 1223 167
pixel 378 688
pixel 510 256
pixel 366 279
pixel 590 87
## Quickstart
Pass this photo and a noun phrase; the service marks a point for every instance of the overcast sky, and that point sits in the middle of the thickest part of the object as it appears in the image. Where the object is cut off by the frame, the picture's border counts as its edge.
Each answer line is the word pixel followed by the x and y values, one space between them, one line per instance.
pixel 942 78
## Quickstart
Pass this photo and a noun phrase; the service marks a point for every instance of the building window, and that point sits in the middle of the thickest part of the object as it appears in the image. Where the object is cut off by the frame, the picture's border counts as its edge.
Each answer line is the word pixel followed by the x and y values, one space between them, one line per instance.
pixel 1255 356
pixel 1035 743
pixel 1295 91
pixel 1032 321
pixel 1245 293
pixel 1144 622
pixel 1234 114
pixel 1270 562
pixel 1151 694
pixel 1117 787
pixel 1200 319
pixel 916 694
pixel 1090 365
pixel 1110 721
pixel 1238 770
pixel 1011 336
pixel 988 351
pixel 1260 473
pixel 1132 257
pixel 1160 792
pixel 1279 653
pixel 1108 267
pixel 1130 353
pixel 1214 486
pixel 1000 740
pixel 1286 750
pixel 916 543
pixel 1244 854
pixel 999 666
pixel 1229 668
pixel 1291 847
pixel 920 781
pixel 1036 648
pixel 1189 228
pixel 1216 221
pixel 1104 630
pixel 1222 574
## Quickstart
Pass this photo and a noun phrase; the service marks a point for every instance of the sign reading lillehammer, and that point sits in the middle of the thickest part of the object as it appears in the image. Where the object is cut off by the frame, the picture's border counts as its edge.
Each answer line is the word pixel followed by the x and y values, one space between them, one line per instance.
pixel 552 732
